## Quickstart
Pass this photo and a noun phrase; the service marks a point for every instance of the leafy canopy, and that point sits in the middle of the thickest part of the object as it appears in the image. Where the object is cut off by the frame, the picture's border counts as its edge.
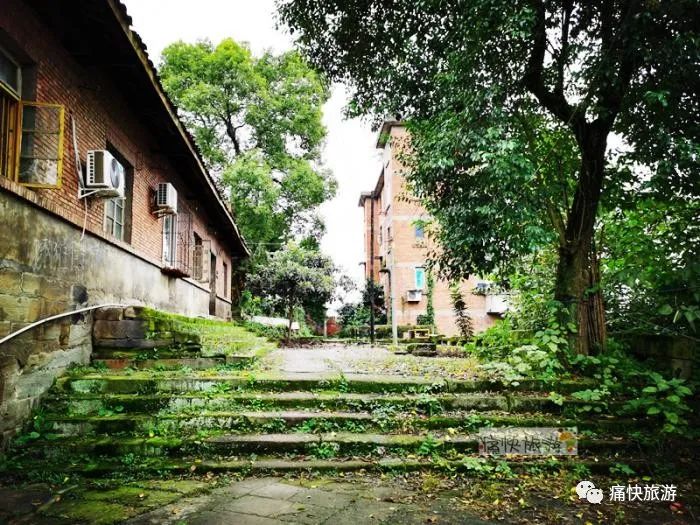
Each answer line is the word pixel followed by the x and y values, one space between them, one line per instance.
pixel 295 277
pixel 503 97
pixel 257 122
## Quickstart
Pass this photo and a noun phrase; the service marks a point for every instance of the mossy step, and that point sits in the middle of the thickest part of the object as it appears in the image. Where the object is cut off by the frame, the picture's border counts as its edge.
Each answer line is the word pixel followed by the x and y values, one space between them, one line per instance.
pixel 193 363
pixel 86 404
pixel 145 383
pixel 184 424
pixel 276 465
pixel 318 420
pixel 227 445
pixel 230 347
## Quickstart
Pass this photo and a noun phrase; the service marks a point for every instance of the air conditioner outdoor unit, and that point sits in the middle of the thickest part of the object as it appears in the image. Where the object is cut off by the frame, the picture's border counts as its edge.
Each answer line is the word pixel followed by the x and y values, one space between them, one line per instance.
pixel 105 174
pixel 414 296
pixel 166 199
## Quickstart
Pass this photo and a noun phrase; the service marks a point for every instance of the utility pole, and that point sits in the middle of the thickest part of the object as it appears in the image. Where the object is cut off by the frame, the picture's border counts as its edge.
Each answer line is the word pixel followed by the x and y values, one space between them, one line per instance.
pixel 370 281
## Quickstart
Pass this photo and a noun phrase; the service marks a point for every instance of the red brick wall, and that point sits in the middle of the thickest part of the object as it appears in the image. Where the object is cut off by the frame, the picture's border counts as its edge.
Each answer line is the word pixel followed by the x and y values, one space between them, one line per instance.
pixel 403 252
pixel 103 117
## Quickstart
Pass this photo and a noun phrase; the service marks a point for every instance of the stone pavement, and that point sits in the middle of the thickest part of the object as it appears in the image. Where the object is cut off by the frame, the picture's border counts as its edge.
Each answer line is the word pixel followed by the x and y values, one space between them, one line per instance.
pixel 327 358
pixel 337 358
pixel 279 501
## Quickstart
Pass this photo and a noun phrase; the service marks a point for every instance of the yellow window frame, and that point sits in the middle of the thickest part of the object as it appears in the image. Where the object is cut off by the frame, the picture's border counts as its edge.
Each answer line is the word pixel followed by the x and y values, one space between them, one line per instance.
pixel 14 153
pixel 59 159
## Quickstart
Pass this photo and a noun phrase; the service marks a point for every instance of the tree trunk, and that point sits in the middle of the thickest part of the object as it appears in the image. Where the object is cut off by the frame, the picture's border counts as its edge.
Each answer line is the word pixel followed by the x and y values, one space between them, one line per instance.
pixel 577 279
pixel 289 326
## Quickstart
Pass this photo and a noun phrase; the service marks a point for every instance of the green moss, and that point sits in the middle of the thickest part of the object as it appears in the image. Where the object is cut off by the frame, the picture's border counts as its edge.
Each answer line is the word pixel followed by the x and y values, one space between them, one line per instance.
pixel 93 512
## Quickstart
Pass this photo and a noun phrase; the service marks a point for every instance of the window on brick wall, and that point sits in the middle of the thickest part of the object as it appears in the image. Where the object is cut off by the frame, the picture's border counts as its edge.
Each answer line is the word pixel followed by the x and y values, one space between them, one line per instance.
pixel 117 220
pixel 419 231
pixel 31 132
pixel 114 218
pixel 420 278
pixel 170 240
pixel 10 81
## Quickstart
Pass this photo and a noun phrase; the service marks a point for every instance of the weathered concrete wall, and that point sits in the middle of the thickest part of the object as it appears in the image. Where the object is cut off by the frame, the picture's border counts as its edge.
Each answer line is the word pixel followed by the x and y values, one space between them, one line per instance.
pixel 30 363
pixel 46 269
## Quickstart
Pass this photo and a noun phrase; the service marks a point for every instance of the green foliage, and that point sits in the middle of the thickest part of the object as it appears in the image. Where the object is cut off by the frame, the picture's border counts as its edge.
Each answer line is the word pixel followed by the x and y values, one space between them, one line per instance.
pixel 353 315
pixel 295 277
pixel 651 265
pixel 429 446
pixel 461 311
pixel 258 124
pixel 324 450
pixel 430 306
pixel 511 356
pixel 664 398
pixel 509 125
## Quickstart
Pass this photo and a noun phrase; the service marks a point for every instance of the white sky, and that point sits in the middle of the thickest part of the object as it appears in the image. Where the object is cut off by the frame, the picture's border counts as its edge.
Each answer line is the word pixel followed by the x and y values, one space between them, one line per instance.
pixel 349 150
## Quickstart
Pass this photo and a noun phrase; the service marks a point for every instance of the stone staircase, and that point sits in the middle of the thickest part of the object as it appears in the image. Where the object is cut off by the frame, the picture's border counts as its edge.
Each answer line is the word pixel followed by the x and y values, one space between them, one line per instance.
pixel 189 407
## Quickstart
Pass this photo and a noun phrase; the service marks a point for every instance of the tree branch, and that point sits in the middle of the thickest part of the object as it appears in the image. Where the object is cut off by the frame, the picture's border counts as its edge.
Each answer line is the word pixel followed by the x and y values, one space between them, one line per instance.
pixel 564 52
pixel 555 102
pixel 620 46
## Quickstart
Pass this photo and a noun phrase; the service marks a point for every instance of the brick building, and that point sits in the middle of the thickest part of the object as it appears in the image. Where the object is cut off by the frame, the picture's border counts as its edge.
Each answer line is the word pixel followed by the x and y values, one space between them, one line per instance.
pixel 399 245
pixel 103 195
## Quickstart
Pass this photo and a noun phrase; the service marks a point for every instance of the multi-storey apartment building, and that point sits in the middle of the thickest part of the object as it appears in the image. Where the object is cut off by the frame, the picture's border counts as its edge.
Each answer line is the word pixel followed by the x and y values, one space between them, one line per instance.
pixel 396 249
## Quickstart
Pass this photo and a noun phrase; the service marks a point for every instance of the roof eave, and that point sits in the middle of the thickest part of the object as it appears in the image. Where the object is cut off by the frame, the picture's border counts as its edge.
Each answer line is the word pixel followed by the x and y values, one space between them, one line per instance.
pixel 124 21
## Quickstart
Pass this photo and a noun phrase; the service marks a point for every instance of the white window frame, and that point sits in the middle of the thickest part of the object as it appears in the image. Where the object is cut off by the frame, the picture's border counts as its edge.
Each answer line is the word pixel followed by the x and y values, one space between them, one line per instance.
pixel 170 241
pixel 119 210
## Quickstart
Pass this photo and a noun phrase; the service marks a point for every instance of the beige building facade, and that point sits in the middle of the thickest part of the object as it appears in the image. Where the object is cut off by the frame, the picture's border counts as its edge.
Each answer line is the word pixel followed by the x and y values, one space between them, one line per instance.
pixel 397 246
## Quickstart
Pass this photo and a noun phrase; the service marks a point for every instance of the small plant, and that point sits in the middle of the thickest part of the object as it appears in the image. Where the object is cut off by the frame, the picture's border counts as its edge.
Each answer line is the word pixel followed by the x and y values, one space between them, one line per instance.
pixel 556 398
pixel 429 405
pixel 664 398
pixel 477 465
pixel 429 446
pixel 324 450
pixel 622 469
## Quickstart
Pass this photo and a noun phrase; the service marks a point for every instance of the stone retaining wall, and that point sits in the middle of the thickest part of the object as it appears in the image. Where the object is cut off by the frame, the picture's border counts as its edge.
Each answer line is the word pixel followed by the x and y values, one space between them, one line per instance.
pixel 31 362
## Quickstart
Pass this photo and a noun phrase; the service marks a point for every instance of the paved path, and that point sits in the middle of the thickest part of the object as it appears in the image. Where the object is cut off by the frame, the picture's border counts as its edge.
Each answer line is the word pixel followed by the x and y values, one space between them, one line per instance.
pixel 328 358
pixel 360 359
pixel 276 501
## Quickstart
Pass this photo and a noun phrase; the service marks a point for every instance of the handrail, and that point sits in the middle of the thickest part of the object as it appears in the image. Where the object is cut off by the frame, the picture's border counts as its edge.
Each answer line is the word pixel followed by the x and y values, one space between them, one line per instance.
pixel 55 317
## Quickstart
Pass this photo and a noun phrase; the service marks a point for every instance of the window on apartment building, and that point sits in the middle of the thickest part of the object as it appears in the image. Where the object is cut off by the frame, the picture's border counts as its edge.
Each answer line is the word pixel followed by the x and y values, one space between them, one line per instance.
pixel 170 240
pixel 388 234
pixel 420 278
pixel 31 133
pixel 225 280
pixel 419 231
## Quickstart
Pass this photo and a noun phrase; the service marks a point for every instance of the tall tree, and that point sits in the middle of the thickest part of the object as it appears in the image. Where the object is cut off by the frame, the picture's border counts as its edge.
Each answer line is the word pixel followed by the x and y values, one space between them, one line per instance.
pixel 477 77
pixel 296 277
pixel 257 122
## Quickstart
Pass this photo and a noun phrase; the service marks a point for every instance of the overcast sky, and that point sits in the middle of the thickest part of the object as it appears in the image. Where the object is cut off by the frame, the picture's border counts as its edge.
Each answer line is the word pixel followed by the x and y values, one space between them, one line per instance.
pixel 349 150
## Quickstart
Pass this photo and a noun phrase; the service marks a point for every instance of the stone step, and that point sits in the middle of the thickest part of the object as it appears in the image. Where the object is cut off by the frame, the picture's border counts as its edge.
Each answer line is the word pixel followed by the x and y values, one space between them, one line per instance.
pixel 150 382
pixel 315 421
pixel 193 363
pixel 514 402
pixel 275 465
pixel 334 444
